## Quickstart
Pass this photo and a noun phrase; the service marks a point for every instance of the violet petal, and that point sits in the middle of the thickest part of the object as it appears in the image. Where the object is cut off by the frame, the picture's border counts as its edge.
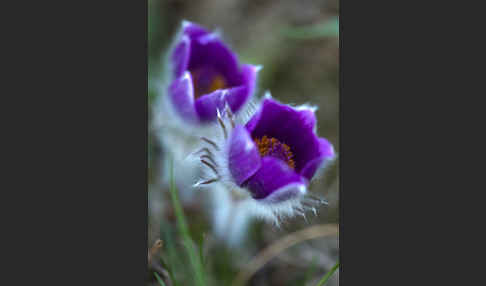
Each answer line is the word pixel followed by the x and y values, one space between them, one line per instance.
pixel 193 30
pixel 182 97
pixel 326 152
pixel 238 96
pixel 285 193
pixel 207 105
pixel 212 52
pixel 244 159
pixel 180 56
pixel 273 174
pixel 290 126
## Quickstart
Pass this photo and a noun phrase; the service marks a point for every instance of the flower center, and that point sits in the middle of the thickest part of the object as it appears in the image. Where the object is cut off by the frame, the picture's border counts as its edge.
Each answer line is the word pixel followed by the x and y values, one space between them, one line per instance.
pixel 272 147
pixel 206 80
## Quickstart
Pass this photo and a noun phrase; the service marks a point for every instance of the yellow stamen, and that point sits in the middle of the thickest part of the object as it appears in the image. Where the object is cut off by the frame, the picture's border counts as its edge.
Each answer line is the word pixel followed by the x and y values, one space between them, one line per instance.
pixel 270 147
pixel 218 82
pixel 204 86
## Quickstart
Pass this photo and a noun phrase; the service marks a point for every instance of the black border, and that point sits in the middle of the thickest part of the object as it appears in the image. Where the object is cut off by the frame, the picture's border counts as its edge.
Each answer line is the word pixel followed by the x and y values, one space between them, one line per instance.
pixel 84 144
pixel 80 144
pixel 385 163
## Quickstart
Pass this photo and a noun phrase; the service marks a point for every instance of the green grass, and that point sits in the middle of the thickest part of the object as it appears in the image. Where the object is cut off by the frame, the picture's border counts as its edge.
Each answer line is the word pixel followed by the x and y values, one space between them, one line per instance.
pixel 161 282
pixel 310 271
pixel 328 275
pixel 194 257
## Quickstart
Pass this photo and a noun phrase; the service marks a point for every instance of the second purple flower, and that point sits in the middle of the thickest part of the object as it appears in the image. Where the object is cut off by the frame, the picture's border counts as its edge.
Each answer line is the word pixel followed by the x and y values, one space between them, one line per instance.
pixel 206 75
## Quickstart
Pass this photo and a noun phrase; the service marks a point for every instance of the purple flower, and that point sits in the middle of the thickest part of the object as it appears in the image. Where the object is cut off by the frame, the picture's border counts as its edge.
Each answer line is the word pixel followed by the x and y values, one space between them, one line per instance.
pixel 272 157
pixel 206 75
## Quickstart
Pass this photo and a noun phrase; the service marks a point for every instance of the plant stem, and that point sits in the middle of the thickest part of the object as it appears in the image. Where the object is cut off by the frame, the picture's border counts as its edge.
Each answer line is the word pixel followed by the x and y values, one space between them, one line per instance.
pixel 161 282
pixel 184 231
pixel 328 274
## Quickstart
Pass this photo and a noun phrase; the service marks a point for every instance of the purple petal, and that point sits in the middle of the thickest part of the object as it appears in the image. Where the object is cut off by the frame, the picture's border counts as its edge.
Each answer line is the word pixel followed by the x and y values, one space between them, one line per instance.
pixel 286 193
pixel 180 56
pixel 210 51
pixel 244 158
pixel 273 174
pixel 308 119
pixel 182 49
pixel 326 152
pixel 238 96
pixel 207 105
pixel 290 126
pixel 194 31
pixel 182 97
pixel 251 125
pixel 248 76
pixel 207 49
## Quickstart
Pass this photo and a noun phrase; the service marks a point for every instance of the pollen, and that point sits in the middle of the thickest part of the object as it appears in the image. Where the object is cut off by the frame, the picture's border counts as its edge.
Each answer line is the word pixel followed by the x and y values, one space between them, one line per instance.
pixel 269 146
pixel 206 81
pixel 218 82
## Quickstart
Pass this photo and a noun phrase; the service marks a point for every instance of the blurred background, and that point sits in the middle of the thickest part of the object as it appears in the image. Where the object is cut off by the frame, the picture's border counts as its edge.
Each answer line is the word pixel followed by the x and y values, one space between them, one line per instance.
pixel 297 44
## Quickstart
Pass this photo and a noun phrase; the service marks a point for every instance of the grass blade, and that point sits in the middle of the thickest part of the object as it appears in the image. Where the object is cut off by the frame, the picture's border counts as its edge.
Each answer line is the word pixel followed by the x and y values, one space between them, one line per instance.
pixel 184 231
pixel 328 274
pixel 161 282
pixel 311 271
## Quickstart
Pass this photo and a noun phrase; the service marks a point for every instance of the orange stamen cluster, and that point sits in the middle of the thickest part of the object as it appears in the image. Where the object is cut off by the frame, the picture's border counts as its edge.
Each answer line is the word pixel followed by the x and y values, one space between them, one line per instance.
pixel 272 147
pixel 204 86
pixel 218 82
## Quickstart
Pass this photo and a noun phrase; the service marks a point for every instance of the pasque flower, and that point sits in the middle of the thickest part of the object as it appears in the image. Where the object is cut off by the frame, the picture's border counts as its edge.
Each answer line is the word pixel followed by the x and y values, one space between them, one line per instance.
pixel 269 160
pixel 206 75
pixel 201 74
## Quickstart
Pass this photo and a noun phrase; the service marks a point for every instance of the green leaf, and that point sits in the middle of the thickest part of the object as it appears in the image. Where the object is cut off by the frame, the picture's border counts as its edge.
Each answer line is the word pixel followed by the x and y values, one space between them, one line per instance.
pixel 310 271
pixel 328 274
pixel 201 249
pixel 194 258
pixel 161 282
